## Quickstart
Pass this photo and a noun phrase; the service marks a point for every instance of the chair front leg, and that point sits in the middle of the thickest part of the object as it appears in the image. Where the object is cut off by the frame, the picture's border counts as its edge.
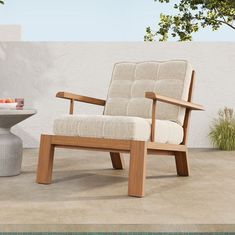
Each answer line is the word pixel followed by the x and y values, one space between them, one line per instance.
pixel 45 161
pixel 137 169
pixel 181 160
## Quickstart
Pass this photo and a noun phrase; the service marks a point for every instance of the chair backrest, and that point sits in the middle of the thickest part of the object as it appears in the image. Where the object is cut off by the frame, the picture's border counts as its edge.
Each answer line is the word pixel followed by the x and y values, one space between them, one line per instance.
pixel 130 81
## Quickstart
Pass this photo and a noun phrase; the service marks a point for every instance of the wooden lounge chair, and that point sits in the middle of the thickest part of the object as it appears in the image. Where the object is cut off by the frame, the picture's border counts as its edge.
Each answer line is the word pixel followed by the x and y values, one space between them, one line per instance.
pixel 147 111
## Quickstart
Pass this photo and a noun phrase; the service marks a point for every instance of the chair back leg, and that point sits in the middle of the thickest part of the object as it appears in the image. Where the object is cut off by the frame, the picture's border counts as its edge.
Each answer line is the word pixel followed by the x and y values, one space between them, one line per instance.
pixel 45 161
pixel 137 169
pixel 181 160
pixel 117 160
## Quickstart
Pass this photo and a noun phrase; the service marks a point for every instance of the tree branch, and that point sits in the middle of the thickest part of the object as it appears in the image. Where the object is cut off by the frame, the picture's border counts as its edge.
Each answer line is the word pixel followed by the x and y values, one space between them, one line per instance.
pixel 225 22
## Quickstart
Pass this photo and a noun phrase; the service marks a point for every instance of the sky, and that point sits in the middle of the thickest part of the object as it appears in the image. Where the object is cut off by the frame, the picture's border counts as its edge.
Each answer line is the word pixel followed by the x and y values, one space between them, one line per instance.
pixel 91 20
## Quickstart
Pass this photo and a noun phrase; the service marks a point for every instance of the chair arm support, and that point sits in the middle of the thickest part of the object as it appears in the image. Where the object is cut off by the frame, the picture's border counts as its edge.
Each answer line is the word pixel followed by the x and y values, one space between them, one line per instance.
pixel 74 97
pixel 80 98
pixel 155 97
pixel 169 100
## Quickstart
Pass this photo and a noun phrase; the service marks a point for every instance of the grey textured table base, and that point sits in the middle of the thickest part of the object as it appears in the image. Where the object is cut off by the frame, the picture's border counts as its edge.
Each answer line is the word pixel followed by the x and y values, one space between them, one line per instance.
pixel 10 154
pixel 11 146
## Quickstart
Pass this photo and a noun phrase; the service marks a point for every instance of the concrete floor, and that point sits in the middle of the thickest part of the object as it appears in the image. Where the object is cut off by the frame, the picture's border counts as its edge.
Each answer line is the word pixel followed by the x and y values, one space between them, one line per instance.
pixel 87 195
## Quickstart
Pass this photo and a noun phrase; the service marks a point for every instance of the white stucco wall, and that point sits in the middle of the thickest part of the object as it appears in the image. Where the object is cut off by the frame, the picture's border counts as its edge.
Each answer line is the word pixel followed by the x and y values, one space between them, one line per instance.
pixel 36 71
pixel 10 32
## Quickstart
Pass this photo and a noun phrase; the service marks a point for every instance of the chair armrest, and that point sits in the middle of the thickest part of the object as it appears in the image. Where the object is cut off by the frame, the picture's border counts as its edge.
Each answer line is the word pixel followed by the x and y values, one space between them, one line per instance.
pixel 80 98
pixel 169 100
pixel 155 97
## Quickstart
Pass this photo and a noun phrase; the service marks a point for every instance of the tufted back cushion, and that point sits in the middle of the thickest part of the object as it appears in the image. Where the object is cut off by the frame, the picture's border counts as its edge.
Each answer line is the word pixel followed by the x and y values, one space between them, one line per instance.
pixel 130 81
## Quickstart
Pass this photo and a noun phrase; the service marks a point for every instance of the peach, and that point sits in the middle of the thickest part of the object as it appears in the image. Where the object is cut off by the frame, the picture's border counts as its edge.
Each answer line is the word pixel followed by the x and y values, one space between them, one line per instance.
pixel 10 100
pixel 2 101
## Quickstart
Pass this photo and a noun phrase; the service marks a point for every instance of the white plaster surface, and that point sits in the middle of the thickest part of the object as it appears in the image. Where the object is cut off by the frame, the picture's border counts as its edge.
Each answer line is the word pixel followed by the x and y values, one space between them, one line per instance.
pixel 10 33
pixel 36 71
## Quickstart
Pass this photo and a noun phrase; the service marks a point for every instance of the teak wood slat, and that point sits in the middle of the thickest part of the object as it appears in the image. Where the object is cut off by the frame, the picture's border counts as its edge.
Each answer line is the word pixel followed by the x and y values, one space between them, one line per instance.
pixel 166 147
pixel 169 100
pixel 153 124
pixel 80 98
pixel 71 108
pixel 92 149
pixel 74 97
pixel 188 111
pixel 85 142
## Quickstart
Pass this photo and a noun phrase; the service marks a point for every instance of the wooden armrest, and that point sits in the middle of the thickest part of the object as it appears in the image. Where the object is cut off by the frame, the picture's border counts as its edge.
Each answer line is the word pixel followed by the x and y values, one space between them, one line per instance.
pixel 84 99
pixel 169 100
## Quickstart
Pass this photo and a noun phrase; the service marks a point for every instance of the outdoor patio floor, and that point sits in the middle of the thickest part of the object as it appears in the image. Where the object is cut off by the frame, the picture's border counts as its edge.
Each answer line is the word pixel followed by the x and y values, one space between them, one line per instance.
pixel 88 195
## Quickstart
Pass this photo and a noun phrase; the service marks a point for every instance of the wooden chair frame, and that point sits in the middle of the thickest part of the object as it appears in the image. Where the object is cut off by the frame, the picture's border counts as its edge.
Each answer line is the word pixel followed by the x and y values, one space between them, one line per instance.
pixel 138 149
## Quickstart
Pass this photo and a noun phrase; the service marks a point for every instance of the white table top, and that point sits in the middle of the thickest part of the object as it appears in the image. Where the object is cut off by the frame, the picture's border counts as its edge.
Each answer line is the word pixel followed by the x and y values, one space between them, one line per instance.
pixel 17 112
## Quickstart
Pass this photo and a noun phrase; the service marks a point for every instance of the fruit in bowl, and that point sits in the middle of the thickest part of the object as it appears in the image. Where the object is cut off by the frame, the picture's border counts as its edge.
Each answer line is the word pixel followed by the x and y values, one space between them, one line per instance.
pixel 7 103
pixel 8 100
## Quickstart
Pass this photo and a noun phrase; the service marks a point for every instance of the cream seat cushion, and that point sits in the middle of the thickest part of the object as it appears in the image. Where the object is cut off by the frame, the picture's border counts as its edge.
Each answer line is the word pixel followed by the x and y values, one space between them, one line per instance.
pixel 117 127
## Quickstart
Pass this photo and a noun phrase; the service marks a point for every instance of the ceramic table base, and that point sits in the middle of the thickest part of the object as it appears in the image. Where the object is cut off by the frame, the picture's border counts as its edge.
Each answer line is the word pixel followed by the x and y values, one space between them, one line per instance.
pixel 11 146
pixel 10 153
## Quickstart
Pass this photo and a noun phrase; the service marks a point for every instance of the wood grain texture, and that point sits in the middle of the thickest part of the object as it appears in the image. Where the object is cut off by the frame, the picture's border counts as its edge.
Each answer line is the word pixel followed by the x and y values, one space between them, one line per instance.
pixel 71 107
pixel 153 125
pixel 86 142
pixel 188 111
pixel 181 160
pixel 160 152
pixel 166 147
pixel 45 160
pixel 137 169
pixel 92 149
pixel 80 98
pixel 169 100
pixel 117 160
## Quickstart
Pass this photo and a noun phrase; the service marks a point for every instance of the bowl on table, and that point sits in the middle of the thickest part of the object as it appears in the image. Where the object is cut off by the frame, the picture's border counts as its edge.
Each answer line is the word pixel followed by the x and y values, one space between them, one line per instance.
pixel 8 103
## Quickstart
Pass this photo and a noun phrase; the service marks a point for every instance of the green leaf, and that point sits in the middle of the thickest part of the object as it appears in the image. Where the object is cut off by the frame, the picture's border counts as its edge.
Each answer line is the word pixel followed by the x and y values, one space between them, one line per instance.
pixel 191 16
pixel 222 133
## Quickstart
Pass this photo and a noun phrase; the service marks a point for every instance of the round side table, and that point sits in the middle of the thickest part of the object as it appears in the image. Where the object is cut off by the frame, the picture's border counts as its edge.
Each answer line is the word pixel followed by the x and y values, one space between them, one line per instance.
pixel 11 146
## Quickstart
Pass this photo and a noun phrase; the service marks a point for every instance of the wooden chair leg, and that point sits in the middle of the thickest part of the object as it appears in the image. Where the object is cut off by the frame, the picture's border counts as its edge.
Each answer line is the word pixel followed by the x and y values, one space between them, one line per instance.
pixel 117 160
pixel 137 169
pixel 182 163
pixel 45 161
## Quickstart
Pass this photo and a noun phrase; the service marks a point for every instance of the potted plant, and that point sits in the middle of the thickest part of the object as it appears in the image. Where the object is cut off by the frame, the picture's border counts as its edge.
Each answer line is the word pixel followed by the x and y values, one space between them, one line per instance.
pixel 222 132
